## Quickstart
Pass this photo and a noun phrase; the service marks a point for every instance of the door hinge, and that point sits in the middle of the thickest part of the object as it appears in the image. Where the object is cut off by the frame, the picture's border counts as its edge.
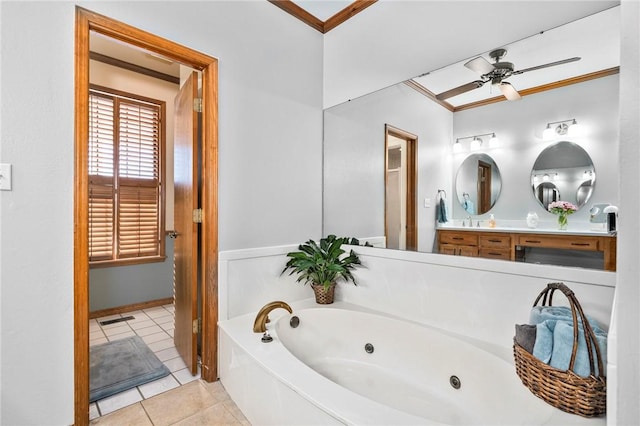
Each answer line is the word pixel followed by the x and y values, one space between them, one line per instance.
pixel 197 215
pixel 197 104
pixel 197 325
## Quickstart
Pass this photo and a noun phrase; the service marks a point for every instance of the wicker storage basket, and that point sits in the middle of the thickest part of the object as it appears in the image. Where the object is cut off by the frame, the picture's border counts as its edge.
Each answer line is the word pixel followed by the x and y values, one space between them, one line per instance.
pixel 585 396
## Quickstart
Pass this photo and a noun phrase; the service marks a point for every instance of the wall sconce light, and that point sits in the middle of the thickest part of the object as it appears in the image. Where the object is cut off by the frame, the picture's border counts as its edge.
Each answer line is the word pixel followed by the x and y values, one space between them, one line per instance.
pixel 545 177
pixel 556 177
pixel 494 142
pixel 562 128
pixel 476 142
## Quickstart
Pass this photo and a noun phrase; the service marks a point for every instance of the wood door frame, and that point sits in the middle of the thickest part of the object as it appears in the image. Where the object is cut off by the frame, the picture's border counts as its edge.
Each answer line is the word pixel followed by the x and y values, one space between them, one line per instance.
pixel 85 22
pixel 412 171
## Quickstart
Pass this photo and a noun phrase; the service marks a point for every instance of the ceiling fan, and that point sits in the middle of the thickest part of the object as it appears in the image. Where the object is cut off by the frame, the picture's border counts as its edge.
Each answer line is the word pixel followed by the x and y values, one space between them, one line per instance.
pixel 496 73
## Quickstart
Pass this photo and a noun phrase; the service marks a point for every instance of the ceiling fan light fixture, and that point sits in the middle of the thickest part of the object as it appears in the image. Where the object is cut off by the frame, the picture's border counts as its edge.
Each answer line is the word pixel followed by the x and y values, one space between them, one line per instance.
pixel 509 91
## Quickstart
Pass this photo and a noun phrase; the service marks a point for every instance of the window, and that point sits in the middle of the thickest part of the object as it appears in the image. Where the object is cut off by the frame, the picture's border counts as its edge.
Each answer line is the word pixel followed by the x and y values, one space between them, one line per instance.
pixel 126 171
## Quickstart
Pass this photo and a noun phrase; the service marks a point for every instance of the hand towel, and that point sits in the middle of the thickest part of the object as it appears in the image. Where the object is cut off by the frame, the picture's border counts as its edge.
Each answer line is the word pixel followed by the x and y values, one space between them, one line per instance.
pixel 468 206
pixel 563 346
pixel 441 211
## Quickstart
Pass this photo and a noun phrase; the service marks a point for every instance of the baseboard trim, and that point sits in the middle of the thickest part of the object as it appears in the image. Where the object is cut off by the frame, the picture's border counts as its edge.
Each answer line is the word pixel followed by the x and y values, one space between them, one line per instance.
pixel 128 308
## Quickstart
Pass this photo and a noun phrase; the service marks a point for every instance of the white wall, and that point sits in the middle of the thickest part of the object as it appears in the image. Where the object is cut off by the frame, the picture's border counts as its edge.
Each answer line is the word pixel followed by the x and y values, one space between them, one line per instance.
pixel 519 126
pixel 623 384
pixel 270 99
pixel 354 160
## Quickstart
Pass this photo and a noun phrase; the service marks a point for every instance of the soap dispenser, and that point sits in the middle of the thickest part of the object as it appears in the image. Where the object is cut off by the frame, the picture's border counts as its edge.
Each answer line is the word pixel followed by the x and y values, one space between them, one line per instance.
pixel 492 221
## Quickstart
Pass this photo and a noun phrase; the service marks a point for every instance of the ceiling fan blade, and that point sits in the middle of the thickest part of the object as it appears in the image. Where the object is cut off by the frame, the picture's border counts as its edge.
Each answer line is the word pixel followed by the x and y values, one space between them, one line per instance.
pixel 550 64
pixel 509 91
pixel 480 65
pixel 459 90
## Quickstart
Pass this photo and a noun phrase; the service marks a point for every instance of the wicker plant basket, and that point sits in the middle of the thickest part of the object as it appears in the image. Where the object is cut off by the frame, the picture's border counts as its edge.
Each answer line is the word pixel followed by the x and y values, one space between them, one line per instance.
pixel 324 297
pixel 585 396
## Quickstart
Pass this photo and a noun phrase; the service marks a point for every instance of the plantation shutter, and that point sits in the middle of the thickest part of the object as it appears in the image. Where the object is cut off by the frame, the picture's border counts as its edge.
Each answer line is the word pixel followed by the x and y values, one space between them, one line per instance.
pixel 101 177
pixel 139 176
pixel 125 204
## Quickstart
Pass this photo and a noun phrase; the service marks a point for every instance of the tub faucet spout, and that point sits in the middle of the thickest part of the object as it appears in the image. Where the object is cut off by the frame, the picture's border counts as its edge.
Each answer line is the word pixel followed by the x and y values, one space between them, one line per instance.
pixel 262 318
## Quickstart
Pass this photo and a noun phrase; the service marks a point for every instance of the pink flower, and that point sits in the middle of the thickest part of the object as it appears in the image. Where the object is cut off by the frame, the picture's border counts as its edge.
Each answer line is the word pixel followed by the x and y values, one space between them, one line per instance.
pixel 562 207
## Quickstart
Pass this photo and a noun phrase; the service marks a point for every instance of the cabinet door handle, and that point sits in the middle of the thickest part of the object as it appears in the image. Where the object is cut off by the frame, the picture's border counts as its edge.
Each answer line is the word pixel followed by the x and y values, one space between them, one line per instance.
pixel 532 241
pixel 457 238
pixel 495 241
pixel 580 244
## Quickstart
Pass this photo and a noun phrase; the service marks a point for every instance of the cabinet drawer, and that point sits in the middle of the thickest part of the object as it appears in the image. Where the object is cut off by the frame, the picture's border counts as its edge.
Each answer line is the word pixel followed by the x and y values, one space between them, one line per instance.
pixel 457 250
pixel 496 253
pixel 459 238
pixel 497 241
pixel 562 242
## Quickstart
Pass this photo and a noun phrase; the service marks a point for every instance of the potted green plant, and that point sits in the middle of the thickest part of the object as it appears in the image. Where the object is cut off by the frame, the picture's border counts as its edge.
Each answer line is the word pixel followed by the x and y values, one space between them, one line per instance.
pixel 323 264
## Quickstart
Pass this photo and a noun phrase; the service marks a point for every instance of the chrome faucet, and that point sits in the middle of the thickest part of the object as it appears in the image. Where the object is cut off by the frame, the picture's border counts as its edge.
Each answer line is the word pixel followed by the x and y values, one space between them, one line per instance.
pixel 262 318
pixel 470 221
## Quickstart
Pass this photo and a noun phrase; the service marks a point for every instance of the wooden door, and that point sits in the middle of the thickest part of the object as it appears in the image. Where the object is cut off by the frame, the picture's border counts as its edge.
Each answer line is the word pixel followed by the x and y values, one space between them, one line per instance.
pixel 484 187
pixel 408 172
pixel 185 277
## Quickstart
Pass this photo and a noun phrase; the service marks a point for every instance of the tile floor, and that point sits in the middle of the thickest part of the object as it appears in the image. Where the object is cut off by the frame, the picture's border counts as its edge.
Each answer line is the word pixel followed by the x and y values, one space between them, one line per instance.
pixel 178 398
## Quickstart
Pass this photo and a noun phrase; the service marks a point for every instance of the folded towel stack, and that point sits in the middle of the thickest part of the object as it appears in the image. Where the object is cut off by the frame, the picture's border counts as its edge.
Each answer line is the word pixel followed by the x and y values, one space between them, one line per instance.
pixel 553 339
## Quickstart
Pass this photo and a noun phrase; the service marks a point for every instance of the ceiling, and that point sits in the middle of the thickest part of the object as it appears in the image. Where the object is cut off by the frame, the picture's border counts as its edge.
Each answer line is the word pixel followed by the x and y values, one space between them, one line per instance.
pixel 595 39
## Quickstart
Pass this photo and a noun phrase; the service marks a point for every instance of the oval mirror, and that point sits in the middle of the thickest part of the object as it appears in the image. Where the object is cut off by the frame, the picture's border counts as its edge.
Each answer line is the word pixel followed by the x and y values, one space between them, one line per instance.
pixel 563 170
pixel 478 184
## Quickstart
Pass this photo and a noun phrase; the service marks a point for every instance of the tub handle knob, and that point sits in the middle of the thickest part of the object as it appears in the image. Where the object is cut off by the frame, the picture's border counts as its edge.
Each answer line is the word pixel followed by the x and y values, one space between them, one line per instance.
pixel 266 337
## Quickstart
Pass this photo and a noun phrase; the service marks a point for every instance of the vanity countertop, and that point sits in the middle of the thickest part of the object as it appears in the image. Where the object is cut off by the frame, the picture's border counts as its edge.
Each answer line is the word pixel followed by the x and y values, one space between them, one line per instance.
pixel 525 230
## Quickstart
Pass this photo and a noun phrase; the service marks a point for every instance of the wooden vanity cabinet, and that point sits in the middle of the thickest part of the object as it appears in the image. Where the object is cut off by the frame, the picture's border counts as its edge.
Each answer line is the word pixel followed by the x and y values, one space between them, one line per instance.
pixel 458 243
pixel 475 244
pixel 496 246
pixel 502 245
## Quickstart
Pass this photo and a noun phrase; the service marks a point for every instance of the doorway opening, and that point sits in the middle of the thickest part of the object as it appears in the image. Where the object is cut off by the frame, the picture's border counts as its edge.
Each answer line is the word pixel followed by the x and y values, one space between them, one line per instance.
pixel 400 189
pixel 203 170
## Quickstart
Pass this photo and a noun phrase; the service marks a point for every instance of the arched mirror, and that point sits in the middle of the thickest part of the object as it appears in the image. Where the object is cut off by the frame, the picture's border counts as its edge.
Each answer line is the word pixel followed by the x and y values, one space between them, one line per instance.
pixel 563 171
pixel 478 184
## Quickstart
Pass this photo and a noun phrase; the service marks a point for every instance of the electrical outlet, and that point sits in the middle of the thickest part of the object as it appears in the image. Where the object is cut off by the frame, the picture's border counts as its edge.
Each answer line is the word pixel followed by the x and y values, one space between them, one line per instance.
pixel 5 177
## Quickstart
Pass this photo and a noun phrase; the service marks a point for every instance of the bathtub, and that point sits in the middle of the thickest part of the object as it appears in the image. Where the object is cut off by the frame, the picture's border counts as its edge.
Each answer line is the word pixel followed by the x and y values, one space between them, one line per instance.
pixel 347 365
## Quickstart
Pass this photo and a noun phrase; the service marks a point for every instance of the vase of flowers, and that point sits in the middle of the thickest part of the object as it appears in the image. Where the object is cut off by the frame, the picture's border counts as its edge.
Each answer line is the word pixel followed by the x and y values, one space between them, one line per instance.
pixel 563 209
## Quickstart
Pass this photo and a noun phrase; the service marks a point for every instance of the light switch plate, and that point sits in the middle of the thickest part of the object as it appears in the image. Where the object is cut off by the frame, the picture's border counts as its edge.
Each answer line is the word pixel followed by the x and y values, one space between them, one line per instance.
pixel 5 177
